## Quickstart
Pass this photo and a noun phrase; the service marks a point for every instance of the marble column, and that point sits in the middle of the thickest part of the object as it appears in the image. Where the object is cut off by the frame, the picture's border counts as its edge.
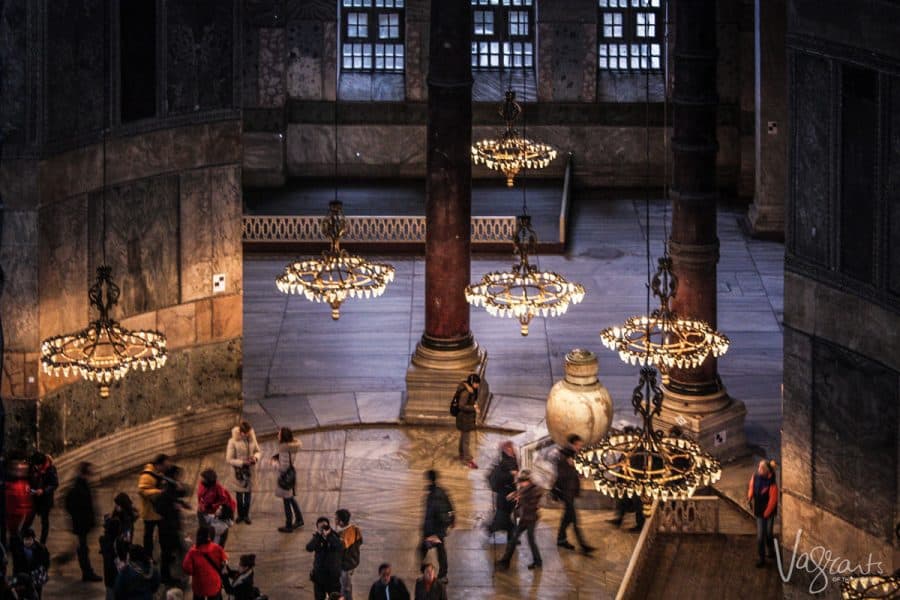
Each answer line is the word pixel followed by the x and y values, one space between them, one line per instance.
pixel 766 214
pixel 447 351
pixel 696 400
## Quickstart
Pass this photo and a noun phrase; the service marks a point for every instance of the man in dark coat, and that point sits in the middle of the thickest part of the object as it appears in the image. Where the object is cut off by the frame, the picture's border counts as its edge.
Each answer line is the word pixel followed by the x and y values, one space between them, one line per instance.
pixel 438 519
pixel 80 506
pixel 329 550
pixel 527 498
pixel 388 587
pixel 466 398
pixel 43 480
pixel 503 483
pixel 567 488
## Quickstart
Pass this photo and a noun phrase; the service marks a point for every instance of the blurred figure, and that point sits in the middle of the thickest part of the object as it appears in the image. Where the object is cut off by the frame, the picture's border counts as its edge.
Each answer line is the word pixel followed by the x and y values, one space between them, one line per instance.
pixel 464 407
pixel 139 578
pixel 527 497
pixel 439 518
pixel 44 480
pixel 169 504
pixel 502 480
pixel 80 506
pixel 114 550
pixel 149 486
pixel 387 586
pixel 566 489
pixel 428 586
pixel 18 497
pixel 242 454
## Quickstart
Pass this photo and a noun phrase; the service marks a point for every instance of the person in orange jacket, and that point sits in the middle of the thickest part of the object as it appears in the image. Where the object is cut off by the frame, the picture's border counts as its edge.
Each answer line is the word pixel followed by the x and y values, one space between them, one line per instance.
pixel 762 495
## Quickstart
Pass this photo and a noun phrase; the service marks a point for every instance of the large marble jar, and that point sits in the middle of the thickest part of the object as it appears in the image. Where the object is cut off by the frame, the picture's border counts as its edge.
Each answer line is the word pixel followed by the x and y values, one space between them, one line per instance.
pixel 579 403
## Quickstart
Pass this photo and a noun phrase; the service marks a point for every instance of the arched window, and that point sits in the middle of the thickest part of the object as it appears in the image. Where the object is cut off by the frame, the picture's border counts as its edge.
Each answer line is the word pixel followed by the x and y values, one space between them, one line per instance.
pixel 631 35
pixel 372 33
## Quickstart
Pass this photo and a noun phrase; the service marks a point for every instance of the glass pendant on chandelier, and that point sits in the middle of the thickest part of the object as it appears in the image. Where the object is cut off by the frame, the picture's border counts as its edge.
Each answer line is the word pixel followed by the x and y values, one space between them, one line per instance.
pixel 336 275
pixel 104 351
pixel 644 462
pixel 511 152
pixel 861 587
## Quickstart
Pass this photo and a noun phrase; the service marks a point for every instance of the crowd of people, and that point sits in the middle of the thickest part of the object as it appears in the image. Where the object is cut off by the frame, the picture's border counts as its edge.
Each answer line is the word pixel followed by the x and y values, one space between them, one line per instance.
pixel 161 500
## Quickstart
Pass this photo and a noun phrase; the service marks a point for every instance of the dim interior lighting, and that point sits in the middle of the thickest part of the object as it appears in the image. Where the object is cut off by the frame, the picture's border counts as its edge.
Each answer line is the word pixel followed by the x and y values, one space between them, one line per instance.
pixel 104 351
pixel 871 586
pixel 336 275
pixel 511 152
pixel 646 463
pixel 525 291
pixel 663 339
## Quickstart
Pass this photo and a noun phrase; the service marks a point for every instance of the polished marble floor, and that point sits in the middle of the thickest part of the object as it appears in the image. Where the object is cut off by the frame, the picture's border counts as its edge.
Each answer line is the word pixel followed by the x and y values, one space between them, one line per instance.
pixel 377 474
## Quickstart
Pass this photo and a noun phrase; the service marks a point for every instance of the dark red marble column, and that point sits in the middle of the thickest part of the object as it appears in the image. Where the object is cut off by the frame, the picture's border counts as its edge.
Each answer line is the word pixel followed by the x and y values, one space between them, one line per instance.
pixel 448 204
pixel 694 244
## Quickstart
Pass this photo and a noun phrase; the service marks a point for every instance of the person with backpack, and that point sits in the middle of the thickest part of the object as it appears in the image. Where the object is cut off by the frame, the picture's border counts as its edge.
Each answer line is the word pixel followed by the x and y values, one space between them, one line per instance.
pixel 149 486
pixel 464 407
pixel 566 489
pixel 352 538
pixel 80 506
pixel 43 480
pixel 286 481
pixel 439 518
pixel 242 453
pixel 139 577
pixel 204 562
pixel 502 480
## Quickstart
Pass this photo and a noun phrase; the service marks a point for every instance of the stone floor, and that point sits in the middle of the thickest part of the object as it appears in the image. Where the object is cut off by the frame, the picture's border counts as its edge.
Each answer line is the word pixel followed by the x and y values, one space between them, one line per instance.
pixel 377 473
pixel 303 370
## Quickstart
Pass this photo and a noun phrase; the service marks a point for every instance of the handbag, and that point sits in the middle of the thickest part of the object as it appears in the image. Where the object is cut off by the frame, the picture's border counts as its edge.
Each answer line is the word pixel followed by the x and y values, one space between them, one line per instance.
pixel 288 478
pixel 242 475
pixel 218 569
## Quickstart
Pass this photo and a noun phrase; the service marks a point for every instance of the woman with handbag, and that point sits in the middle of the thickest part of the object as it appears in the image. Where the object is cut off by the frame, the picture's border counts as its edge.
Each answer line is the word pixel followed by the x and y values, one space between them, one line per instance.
pixel 286 484
pixel 242 454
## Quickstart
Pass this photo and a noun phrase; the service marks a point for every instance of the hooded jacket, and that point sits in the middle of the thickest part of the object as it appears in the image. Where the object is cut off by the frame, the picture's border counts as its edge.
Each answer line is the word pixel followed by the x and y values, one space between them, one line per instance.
pixel 239 450
pixel 467 397
pixel 137 581
pixel 148 487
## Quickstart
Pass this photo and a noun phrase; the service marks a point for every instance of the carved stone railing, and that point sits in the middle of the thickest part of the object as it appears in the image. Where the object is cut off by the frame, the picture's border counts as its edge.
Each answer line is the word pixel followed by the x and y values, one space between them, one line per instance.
pixel 369 229
pixel 699 514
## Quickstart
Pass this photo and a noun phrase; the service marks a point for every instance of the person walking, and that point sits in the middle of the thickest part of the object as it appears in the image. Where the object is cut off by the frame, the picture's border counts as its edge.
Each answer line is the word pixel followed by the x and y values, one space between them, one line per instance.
pixel 388 586
pixel 762 495
pixel 242 453
pixel 149 486
pixel 527 497
pixel 429 586
pixel 139 577
pixel 31 557
pixel 502 480
pixel 80 506
pixel 352 538
pixel 43 481
pixel 439 518
pixel 169 504
pixel 329 550
pixel 465 407
pixel 204 563
pixel 286 481
pixel 566 489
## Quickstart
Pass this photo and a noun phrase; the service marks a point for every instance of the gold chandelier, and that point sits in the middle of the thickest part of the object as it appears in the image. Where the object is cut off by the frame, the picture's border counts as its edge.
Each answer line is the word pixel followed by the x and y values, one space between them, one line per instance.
pixel 645 462
pixel 104 351
pixel 871 586
pixel 511 152
pixel 663 339
pixel 525 291
pixel 336 275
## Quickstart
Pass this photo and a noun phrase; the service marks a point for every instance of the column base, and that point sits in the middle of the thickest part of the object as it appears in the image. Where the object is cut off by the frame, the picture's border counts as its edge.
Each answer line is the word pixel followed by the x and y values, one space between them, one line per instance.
pixel 431 381
pixel 719 431
pixel 764 222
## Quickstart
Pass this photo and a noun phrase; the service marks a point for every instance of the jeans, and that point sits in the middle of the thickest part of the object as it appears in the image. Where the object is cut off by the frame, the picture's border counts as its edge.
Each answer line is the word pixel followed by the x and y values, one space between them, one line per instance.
pixel 243 505
pixel 442 556
pixel 45 523
pixel 511 543
pixel 764 536
pixel 570 517
pixel 84 558
pixel 347 584
pixel 292 514
pixel 149 526
pixel 465 447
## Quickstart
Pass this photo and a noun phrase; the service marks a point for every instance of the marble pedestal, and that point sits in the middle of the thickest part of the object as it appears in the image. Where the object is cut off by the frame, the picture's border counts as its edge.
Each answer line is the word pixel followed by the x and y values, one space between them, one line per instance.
pixel 431 381
pixel 715 421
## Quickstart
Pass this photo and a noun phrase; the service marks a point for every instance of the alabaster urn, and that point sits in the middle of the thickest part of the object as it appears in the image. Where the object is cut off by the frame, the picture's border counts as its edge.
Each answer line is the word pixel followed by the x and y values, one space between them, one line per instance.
pixel 579 403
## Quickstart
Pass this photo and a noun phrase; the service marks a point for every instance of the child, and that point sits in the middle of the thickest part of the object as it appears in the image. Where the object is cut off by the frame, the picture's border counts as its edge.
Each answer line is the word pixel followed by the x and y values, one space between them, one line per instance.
pixel 220 523
pixel 239 582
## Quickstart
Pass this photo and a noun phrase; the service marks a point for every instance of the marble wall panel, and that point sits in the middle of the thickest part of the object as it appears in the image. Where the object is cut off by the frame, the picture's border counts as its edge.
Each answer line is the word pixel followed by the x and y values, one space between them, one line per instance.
pixel 856 408
pixel 363 145
pixel 75 81
pixel 572 11
pixel 200 59
pixel 19 184
pixel 250 67
pixel 892 190
pixel 728 70
pixel 141 233
pixel 19 259
pixel 567 63
pixel 12 65
pixel 263 163
pixel 271 67
pixel 416 57
pixel 305 47
pixel 329 61
pixel 63 266
pixel 307 145
pixel 629 87
pixel 210 227
pixel 797 415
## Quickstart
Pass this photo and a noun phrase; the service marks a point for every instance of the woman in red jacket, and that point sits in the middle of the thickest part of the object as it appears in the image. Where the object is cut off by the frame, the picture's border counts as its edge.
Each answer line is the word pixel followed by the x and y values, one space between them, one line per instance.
pixel 211 494
pixel 204 562
pixel 762 494
pixel 18 497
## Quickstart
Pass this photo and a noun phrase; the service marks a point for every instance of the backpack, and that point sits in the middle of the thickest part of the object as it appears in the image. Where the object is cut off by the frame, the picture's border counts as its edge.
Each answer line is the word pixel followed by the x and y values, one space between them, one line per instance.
pixel 288 478
pixel 454 404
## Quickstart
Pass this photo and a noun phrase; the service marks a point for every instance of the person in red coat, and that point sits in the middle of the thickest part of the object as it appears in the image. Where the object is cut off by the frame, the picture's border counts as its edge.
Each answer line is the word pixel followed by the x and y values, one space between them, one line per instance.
pixel 211 494
pixel 204 562
pixel 762 495
pixel 19 502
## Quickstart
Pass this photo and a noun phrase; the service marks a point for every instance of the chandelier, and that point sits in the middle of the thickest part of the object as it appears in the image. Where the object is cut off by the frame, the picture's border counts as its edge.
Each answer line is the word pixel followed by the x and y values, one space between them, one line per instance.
pixel 871 586
pixel 525 291
pixel 663 339
pixel 336 275
pixel 644 462
pixel 104 351
pixel 511 152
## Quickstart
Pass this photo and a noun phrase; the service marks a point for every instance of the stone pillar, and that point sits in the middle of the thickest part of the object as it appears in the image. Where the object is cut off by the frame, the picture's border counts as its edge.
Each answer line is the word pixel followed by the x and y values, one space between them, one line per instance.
pixel 695 398
pixel 447 351
pixel 766 214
